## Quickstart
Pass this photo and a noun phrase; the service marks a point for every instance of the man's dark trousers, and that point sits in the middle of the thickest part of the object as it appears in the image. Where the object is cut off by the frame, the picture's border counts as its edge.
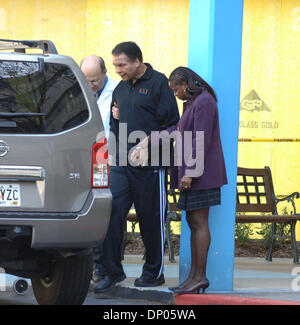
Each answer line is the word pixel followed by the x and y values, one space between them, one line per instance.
pixel 145 187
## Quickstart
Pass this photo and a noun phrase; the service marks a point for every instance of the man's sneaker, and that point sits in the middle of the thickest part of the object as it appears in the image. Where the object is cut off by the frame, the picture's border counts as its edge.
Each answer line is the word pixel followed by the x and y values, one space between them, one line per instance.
pixel 145 281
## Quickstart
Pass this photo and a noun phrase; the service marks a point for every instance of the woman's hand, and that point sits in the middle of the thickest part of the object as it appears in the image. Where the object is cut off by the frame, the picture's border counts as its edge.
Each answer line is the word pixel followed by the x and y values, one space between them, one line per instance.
pixel 115 111
pixel 185 183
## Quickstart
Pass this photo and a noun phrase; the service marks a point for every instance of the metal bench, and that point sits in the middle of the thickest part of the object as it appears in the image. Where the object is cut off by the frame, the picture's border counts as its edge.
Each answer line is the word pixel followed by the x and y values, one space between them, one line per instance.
pixel 172 215
pixel 257 203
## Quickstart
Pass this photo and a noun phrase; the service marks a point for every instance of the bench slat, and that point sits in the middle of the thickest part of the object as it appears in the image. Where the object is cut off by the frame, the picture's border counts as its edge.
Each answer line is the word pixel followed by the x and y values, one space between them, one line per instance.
pixel 266 218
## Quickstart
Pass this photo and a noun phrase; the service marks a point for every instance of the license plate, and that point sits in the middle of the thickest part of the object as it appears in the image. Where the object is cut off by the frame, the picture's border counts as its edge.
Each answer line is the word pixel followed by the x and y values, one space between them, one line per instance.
pixel 10 195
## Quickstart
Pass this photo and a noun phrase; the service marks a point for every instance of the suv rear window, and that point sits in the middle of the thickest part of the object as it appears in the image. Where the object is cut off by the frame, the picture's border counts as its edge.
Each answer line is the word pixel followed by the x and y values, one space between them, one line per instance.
pixel 39 98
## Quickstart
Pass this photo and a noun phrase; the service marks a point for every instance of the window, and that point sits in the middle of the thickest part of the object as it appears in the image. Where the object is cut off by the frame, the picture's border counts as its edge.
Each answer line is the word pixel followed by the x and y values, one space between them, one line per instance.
pixel 38 98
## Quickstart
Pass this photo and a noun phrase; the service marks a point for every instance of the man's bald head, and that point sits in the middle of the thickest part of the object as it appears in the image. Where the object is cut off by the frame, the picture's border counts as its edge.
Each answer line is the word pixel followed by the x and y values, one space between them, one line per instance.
pixel 94 69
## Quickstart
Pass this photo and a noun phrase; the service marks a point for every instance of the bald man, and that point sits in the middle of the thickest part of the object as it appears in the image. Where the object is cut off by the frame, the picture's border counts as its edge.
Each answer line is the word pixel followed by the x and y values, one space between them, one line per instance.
pixel 102 86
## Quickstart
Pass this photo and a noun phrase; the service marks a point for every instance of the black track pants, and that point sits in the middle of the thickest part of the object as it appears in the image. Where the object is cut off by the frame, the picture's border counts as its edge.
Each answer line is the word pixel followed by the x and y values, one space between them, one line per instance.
pixel 145 188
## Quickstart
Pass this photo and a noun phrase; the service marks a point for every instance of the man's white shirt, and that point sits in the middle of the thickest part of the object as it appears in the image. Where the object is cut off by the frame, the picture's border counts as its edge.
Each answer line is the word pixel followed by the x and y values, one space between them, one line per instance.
pixel 104 103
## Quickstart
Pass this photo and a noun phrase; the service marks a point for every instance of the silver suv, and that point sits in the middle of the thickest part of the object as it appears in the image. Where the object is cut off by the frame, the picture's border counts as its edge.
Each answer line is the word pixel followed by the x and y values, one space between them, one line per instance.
pixel 55 201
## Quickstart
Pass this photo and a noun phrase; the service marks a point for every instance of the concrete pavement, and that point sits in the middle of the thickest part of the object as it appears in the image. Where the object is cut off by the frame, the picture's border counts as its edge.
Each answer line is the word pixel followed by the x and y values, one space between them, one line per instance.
pixel 255 279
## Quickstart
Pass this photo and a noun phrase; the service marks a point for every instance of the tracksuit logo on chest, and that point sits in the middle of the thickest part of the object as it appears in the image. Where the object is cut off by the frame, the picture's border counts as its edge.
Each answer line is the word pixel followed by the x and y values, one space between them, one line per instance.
pixel 143 91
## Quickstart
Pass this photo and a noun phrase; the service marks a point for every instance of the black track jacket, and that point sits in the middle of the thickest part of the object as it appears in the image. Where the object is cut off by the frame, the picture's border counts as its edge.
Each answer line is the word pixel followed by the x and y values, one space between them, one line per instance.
pixel 147 105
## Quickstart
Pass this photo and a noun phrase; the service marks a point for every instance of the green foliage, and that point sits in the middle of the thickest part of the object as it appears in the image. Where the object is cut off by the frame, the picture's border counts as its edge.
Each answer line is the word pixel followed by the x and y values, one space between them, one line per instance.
pixel 242 232
pixel 282 231
pixel 265 231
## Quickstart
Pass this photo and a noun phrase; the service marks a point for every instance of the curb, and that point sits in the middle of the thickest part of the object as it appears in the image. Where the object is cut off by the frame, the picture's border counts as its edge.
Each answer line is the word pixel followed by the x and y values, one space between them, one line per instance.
pixel 162 296
pixel 159 296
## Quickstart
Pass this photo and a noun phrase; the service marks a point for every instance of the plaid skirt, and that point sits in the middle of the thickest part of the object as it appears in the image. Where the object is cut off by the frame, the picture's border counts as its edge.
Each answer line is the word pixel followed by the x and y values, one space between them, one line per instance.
pixel 196 199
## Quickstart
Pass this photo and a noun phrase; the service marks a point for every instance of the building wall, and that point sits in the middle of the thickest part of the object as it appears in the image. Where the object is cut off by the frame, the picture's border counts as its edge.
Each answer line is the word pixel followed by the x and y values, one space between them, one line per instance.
pixel 82 27
pixel 270 93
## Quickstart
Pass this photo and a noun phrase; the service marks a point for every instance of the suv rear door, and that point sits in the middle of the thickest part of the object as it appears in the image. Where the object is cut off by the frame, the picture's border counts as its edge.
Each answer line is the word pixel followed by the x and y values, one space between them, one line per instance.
pixel 47 131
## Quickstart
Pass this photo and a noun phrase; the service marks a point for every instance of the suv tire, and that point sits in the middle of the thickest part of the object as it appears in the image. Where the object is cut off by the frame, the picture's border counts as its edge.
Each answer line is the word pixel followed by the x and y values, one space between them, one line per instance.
pixel 68 283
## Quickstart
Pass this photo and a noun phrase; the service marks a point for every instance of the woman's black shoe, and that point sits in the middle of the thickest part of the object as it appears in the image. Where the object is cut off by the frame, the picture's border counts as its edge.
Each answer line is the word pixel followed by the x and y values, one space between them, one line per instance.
pixel 196 288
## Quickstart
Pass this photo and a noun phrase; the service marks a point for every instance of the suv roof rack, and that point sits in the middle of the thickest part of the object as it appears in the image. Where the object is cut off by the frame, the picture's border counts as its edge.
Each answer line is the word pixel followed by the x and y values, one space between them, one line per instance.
pixel 47 46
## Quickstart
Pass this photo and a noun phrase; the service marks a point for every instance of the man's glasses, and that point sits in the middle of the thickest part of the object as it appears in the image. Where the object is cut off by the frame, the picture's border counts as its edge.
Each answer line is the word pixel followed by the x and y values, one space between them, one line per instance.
pixel 95 82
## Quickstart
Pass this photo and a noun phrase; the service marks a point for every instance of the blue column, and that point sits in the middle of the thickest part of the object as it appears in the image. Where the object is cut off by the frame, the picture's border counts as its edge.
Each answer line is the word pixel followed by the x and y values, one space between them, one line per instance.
pixel 215 41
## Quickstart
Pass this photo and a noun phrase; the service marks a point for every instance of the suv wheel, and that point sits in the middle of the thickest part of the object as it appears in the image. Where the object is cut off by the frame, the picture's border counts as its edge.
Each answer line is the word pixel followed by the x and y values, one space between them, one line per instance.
pixel 67 283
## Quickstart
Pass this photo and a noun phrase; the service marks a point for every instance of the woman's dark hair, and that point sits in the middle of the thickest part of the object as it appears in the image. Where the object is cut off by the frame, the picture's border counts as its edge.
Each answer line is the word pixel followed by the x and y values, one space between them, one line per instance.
pixel 130 49
pixel 195 84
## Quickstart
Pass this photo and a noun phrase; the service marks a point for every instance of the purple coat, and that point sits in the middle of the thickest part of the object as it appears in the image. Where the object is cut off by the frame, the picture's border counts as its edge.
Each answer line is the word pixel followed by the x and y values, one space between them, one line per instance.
pixel 200 115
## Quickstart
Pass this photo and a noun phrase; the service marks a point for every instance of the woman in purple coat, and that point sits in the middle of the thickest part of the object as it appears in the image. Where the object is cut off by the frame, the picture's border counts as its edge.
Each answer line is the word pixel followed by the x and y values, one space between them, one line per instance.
pixel 198 190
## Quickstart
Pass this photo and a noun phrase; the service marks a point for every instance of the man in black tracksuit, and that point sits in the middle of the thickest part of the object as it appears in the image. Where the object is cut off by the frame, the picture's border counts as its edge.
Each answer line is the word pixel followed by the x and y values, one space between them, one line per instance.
pixel 145 103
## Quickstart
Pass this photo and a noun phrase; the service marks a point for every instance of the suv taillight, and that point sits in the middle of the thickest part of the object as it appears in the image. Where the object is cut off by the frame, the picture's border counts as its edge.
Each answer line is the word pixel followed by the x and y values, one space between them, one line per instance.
pixel 100 168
